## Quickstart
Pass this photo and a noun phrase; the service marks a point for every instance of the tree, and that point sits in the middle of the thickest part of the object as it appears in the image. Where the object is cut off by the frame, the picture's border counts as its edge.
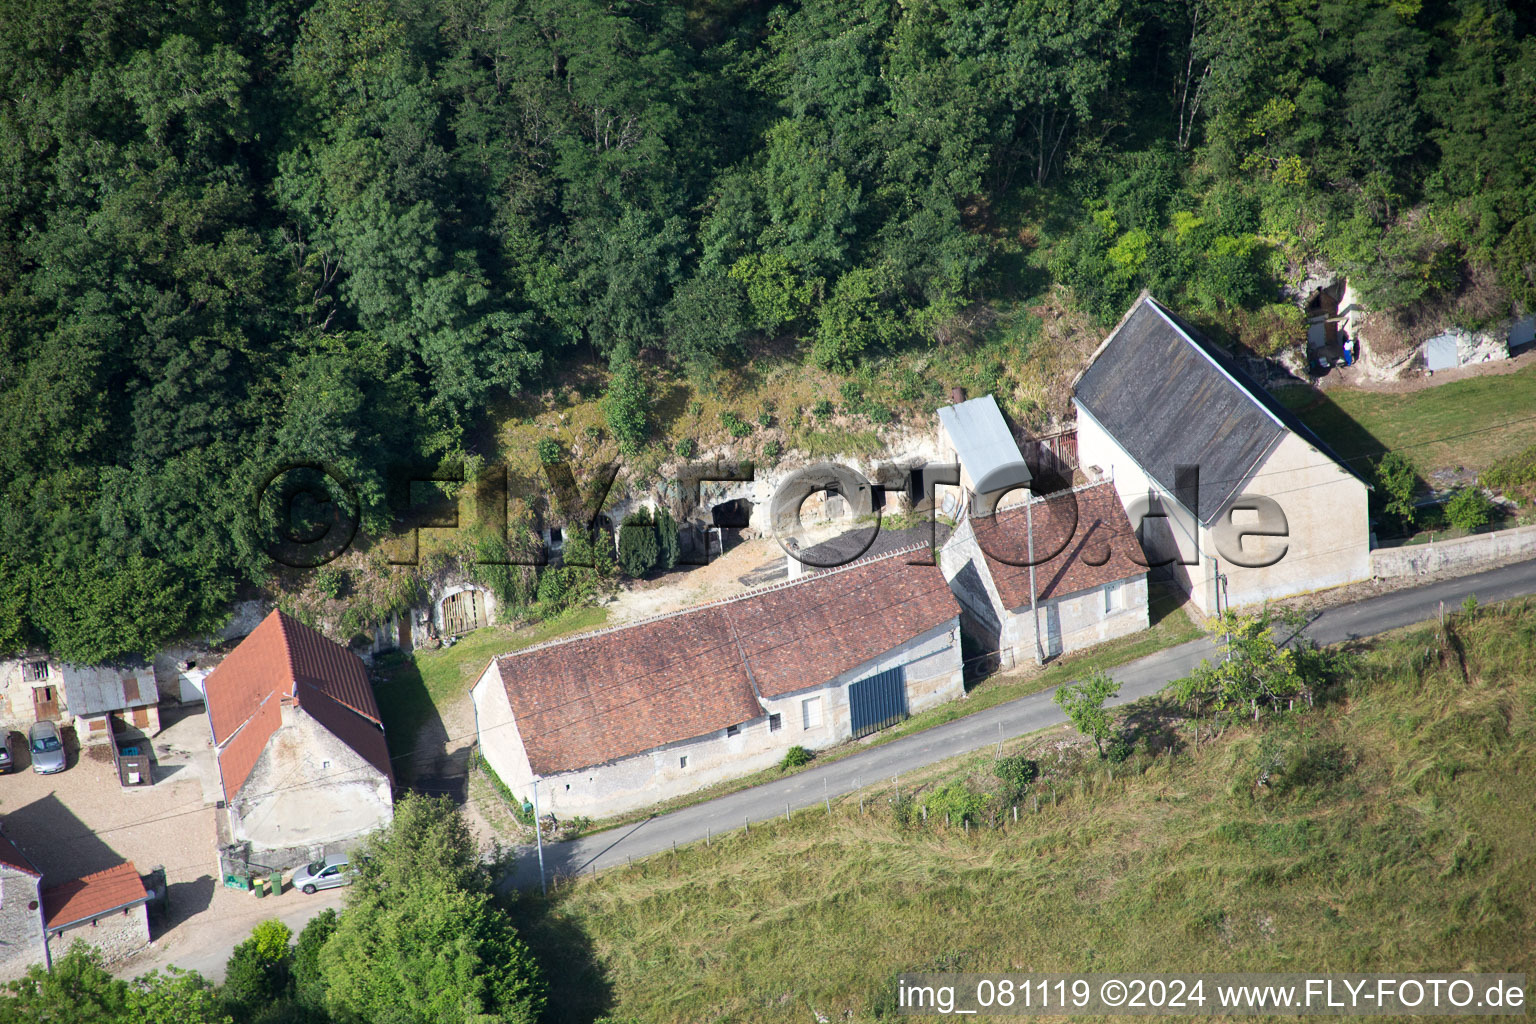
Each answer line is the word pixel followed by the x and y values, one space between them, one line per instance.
pixel 1254 673
pixel 1396 480
pixel 79 990
pixel 667 539
pixel 624 405
pixel 1083 704
pixel 257 973
pixel 1468 509
pixel 421 939
pixel 638 545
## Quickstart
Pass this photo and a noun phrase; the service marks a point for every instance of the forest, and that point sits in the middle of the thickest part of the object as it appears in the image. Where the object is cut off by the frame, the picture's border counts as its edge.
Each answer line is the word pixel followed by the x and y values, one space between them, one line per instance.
pixel 347 230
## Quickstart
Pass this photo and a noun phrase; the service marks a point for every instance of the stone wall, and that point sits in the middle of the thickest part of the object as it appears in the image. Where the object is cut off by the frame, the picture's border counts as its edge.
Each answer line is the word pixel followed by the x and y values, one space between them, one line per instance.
pixel 1460 554
pixel 21 923
pixel 118 935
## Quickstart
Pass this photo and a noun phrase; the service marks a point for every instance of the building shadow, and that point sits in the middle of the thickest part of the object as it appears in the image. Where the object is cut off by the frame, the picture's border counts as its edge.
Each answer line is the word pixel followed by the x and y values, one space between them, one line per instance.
pixel 184 900
pixel 408 714
pixel 580 991
pixel 60 844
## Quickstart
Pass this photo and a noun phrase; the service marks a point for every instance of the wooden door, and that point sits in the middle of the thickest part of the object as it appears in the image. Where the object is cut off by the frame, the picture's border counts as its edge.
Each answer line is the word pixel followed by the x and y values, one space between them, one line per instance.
pixel 45 703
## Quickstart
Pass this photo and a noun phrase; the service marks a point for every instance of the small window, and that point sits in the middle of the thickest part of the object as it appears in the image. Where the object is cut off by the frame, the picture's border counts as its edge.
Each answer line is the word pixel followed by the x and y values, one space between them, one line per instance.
pixel 775 723
pixel 733 730
pixel 35 671
pixel 1112 597
pixel 810 713
pixel 682 762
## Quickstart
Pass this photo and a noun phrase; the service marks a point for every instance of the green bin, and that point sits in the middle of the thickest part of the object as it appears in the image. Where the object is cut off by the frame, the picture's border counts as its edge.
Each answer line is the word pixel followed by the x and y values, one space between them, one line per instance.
pixel 276 881
pixel 260 890
pixel 234 880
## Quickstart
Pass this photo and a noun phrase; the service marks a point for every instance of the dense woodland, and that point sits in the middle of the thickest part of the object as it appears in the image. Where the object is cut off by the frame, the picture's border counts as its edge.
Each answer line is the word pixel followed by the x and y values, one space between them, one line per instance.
pixel 343 230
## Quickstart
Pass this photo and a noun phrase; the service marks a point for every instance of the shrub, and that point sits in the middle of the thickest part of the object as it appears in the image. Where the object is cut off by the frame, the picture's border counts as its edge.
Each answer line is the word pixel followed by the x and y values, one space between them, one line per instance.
pixel 772 450
pixel 695 407
pixel 625 405
pixel 735 425
pixel 955 804
pixel 549 451
pixel 594 433
pixel 1395 481
pixel 795 757
pixel 330 581
pixel 1468 509
pixel 666 539
pixel 638 547
pixel 879 413
pixel 1083 704
pixel 822 409
pixel 1017 772
pixel 687 448
pixel 765 418
pixel 1515 476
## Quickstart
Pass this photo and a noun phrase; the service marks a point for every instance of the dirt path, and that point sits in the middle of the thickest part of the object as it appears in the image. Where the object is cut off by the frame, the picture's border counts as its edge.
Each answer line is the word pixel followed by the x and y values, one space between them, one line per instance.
pixel 723 577
pixel 1353 378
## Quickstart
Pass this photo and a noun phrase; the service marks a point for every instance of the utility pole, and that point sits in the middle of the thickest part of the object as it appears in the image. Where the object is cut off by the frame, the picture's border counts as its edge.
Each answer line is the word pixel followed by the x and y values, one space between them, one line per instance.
pixel 538 833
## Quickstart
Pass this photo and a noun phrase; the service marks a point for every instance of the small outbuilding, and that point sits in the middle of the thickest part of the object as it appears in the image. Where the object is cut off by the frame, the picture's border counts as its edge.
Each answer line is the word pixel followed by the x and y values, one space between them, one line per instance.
pixel 974 434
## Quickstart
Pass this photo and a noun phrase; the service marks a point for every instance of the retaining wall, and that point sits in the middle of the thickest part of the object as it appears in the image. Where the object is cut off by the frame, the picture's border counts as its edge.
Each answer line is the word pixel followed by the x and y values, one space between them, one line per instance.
pixel 1461 553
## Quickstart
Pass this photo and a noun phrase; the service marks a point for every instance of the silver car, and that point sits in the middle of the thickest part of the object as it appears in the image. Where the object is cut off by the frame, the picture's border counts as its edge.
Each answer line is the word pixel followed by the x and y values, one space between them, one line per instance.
pixel 330 873
pixel 47 748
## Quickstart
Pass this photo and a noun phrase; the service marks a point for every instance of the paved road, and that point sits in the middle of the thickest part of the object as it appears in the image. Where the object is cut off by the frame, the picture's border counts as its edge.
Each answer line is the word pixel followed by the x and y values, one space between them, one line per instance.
pixel 881 764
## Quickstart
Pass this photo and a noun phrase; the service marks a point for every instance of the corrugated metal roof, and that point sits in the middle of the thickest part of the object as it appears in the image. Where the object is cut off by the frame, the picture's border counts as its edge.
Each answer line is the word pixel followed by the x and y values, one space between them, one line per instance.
pixel 98 689
pixel 985 445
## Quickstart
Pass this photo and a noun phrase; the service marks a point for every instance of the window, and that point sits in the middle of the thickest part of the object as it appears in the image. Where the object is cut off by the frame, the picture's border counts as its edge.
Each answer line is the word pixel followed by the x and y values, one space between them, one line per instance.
pixel 682 762
pixel 810 713
pixel 775 723
pixel 733 730
pixel 35 671
pixel 1112 597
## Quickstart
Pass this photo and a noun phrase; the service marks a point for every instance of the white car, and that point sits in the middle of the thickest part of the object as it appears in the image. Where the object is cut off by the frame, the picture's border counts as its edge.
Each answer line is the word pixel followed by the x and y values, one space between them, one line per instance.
pixel 330 873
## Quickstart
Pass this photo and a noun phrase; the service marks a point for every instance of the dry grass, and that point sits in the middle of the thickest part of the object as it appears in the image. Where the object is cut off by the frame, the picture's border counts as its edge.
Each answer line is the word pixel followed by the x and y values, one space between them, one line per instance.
pixel 1397 838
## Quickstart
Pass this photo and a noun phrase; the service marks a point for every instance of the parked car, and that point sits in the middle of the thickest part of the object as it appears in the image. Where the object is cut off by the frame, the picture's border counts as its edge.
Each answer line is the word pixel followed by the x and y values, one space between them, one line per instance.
pixel 7 753
pixel 330 873
pixel 47 748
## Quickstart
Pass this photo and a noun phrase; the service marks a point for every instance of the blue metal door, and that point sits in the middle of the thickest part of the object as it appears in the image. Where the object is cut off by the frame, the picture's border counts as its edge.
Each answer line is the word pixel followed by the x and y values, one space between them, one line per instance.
pixel 878 702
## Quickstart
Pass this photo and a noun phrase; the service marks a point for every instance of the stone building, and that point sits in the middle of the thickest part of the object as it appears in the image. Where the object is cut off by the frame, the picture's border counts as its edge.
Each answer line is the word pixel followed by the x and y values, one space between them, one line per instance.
pixel 21 915
pixel 300 744
pixel 626 717
pixel 1086 586
pixel 31 690
pixel 1202 456
pixel 107 909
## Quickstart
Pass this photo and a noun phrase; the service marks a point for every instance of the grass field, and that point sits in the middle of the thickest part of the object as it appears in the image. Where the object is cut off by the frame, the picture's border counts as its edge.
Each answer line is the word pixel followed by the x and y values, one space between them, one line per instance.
pixel 1468 423
pixel 415 688
pixel 1394 833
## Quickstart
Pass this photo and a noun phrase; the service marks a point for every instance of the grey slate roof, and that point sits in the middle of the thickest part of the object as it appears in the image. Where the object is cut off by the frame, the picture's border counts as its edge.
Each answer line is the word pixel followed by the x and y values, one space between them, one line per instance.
pixel 985 445
pixel 1170 398
pixel 97 689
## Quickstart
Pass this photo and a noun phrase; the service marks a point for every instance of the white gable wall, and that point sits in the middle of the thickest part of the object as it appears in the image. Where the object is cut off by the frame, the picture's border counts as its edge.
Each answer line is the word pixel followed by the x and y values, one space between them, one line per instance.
pixel 934 675
pixel 309 788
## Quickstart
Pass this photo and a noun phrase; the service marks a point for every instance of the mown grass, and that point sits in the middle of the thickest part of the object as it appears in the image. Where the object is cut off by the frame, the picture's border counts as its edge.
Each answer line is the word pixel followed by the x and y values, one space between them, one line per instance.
pixel 415 688
pixel 1171 626
pixel 1473 423
pixel 1395 836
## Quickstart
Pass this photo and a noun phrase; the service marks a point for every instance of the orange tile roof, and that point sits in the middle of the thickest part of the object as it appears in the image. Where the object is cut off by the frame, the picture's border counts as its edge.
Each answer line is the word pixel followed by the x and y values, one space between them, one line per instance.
pixel 283 661
pixel 81 899
pixel 618 692
pixel 1086 532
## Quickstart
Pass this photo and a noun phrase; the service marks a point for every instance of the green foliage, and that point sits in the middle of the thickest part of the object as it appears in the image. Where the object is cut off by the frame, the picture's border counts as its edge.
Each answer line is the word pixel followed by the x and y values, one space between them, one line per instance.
pixel 1515 476
pixel 639 549
pixel 667 543
pixel 331 581
pixel 1018 773
pixel 258 971
pixel 735 425
pixel 421 938
pixel 79 990
pixel 1254 673
pixel 795 757
pixel 822 409
pixel 1083 704
pixel 625 405
pixel 687 448
pixel 772 450
pixel 308 981
pixel 549 451
pixel 1396 480
pixel 1469 509
pixel 955 804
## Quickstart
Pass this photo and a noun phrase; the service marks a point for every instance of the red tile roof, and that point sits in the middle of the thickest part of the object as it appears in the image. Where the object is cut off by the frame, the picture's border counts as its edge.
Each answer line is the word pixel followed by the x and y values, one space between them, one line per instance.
pixel 284 661
pixel 618 692
pixel 1085 531
pixel 12 857
pixel 81 899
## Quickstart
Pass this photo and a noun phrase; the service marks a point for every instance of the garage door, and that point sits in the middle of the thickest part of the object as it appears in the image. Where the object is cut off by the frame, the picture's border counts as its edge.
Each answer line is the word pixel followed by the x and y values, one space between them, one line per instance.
pixel 878 702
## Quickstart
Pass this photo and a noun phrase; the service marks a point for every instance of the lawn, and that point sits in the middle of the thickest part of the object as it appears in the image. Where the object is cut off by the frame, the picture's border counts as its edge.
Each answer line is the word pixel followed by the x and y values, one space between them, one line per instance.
pixel 413 689
pixel 1394 835
pixel 1170 627
pixel 1469 423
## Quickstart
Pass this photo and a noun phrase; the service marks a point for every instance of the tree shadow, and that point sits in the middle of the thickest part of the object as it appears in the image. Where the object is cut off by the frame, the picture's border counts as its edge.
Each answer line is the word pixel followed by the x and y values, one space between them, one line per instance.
pixel 580 991
pixel 1153 725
